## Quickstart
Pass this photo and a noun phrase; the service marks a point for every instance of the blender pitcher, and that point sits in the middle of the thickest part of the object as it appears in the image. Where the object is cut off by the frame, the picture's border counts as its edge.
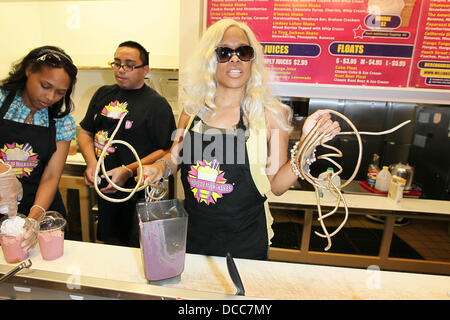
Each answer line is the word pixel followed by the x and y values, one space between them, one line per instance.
pixel 163 230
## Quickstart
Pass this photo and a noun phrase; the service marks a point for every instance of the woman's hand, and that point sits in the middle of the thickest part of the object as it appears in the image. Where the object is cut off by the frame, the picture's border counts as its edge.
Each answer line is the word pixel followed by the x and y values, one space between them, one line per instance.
pixel 154 172
pixel 323 118
pixel 31 232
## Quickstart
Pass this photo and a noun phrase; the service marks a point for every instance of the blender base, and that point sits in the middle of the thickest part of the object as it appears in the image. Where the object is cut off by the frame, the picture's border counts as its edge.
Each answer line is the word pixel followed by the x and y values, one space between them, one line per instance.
pixel 168 281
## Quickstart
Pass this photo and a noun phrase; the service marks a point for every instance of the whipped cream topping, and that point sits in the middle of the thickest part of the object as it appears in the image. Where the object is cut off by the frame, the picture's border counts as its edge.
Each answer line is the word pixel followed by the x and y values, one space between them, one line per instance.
pixel 385 7
pixel 12 226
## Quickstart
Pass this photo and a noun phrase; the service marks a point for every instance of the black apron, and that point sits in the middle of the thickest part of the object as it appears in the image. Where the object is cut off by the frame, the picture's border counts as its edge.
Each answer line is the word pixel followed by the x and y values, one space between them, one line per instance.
pixel 28 149
pixel 117 222
pixel 226 210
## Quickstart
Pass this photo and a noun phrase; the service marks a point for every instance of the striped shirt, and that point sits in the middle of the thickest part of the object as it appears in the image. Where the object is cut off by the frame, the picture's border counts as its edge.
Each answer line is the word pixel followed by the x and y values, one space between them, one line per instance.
pixel 18 112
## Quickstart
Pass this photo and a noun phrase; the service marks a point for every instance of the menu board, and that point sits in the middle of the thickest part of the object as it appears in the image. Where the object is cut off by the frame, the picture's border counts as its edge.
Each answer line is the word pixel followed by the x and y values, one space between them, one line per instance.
pixel 384 43
pixel 431 64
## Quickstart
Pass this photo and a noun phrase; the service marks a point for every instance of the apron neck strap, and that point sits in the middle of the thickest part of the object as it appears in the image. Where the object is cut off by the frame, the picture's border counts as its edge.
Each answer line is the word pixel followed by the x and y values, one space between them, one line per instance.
pixel 6 103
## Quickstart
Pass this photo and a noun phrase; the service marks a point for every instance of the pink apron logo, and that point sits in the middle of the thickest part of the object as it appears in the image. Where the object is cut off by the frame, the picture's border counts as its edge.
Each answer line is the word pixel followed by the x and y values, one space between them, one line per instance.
pixel 207 182
pixel 128 124
pixel 20 157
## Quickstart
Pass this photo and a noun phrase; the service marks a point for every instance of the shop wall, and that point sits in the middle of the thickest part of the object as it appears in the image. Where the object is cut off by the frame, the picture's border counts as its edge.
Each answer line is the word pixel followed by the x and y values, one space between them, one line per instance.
pixel 90 30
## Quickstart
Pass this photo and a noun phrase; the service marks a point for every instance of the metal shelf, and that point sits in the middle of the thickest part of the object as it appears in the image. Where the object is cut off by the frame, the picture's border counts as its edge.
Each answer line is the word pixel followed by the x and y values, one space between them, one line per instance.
pixel 392 94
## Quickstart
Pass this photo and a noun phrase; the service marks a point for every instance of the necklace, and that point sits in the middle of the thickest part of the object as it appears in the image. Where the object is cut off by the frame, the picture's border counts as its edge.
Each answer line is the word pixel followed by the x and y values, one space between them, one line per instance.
pixel 29 119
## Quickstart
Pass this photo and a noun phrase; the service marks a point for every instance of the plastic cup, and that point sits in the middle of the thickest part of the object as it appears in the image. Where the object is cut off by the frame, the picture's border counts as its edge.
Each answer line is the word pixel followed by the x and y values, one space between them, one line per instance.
pixel 12 245
pixel 51 235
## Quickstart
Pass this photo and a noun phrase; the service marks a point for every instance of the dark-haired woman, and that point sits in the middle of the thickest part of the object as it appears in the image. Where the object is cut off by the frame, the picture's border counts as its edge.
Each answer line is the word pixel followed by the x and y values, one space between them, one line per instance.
pixel 36 130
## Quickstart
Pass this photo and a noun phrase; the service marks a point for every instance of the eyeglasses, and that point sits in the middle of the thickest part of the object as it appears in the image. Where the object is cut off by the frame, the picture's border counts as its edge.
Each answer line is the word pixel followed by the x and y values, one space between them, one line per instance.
pixel 126 67
pixel 244 53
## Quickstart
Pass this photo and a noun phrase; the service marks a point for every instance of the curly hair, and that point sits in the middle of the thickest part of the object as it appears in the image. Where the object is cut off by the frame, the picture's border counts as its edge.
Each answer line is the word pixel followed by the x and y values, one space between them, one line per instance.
pixel 36 59
pixel 199 83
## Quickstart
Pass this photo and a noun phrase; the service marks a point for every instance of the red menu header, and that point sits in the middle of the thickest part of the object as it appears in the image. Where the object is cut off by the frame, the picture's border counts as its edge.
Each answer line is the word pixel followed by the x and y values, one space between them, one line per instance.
pixel 389 43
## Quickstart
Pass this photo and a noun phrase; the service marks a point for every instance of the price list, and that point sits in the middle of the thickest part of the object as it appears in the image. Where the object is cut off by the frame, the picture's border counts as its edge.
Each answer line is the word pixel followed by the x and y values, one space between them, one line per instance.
pixel 344 42
pixel 431 67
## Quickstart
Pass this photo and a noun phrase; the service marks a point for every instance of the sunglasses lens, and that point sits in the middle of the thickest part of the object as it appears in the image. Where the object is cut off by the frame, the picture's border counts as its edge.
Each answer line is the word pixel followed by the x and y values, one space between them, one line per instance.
pixel 245 53
pixel 224 54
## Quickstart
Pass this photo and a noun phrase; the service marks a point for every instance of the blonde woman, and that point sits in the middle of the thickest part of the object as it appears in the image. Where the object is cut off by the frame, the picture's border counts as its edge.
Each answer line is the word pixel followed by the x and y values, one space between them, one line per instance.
pixel 231 146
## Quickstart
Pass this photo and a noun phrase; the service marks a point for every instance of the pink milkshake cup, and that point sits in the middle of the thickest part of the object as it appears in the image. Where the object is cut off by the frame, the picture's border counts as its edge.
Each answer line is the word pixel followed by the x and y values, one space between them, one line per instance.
pixel 51 235
pixel 11 239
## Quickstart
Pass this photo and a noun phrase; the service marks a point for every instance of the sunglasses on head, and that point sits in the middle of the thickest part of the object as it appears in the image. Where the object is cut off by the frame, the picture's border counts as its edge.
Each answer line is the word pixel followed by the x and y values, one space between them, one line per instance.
pixel 51 58
pixel 244 53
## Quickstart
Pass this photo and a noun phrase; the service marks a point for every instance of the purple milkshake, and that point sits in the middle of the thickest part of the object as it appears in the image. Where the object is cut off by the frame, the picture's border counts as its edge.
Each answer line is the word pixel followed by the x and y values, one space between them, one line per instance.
pixel 163 229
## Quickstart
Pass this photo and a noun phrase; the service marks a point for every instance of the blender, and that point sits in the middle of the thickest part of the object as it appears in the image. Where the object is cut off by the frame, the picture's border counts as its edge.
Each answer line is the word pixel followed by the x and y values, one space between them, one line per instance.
pixel 163 230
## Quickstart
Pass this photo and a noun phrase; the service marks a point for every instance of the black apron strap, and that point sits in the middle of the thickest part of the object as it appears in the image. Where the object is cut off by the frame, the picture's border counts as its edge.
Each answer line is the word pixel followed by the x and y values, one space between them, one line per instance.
pixel 6 103
pixel 52 135
pixel 243 133
pixel 241 124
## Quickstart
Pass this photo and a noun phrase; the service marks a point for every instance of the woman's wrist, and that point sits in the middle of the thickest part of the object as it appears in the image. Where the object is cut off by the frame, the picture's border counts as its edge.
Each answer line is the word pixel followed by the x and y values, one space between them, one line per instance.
pixel 130 172
pixel 294 163
pixel 37 212
pixel 167 169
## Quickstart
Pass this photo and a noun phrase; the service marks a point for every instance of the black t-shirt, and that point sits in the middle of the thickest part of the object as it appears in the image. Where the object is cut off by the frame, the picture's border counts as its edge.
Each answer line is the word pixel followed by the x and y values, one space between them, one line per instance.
pixel 147 127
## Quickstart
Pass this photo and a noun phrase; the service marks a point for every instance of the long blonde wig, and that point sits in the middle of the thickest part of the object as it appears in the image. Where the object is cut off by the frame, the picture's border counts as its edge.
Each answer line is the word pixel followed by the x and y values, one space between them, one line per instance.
pixel 199 83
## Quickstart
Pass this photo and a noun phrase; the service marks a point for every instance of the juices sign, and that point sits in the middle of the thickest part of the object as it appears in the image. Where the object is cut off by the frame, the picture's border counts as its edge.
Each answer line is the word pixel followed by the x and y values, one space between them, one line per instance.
pixel 345 42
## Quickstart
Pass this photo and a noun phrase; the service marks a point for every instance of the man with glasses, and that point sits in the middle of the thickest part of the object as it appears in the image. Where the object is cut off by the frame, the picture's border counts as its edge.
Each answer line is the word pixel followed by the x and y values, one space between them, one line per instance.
pixel 148 127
